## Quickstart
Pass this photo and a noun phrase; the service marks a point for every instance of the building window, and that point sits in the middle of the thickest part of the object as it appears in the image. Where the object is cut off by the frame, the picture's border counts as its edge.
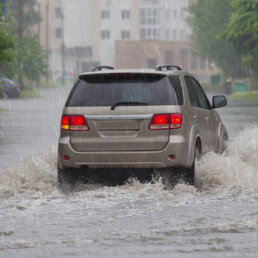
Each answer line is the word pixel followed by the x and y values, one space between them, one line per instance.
pixel 167 34
pixel 174 34
pixel 58 33
pixel 194 62
pixel 105 14
pixel 182 13
pixel 152 63
pixel 202 64
pixel 58 12
pixel 168 57
pixel 183 56
pixel 182 35
pixel 175 15
pixel 143 34
pixel 149 33
pixel 149 16
pixel 125 14
pixel 125 34
pixel 105 34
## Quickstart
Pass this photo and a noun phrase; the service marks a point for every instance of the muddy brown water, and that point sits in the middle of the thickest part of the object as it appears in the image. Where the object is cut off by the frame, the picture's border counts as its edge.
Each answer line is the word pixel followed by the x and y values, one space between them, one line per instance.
pixel 218 218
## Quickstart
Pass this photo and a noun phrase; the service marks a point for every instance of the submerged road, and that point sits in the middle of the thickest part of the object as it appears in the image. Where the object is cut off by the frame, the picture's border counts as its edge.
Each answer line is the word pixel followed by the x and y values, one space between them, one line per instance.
pixel 219 218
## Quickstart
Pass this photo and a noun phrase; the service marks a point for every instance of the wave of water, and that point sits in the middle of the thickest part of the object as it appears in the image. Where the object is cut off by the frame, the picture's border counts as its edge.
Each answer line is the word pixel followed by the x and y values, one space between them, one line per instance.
pixel 36 176
pixel 238 166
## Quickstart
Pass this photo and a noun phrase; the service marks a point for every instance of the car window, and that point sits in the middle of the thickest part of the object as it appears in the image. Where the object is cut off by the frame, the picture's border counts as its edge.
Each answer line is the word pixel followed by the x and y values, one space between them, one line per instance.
pixel 191 92
pixel 176 84
pixel 109 89
pixel 202 98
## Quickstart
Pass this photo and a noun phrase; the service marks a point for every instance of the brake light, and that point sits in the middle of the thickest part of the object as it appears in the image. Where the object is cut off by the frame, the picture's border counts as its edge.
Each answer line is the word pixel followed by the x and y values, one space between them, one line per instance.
pixel 176 121
pixel 78 123
pixel 166 121
pixel 65 122
pixel 159 122
pixel 17 87
pixel 74 123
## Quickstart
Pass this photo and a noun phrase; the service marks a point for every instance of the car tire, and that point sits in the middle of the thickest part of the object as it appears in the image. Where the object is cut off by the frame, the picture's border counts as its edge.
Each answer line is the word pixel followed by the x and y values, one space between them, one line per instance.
pixel 224 144
pixel 66 179
pixel 189 173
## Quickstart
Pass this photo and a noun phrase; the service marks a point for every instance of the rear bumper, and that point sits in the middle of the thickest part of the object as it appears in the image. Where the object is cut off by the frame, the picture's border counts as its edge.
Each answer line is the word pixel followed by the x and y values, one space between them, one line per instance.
pixel 178 146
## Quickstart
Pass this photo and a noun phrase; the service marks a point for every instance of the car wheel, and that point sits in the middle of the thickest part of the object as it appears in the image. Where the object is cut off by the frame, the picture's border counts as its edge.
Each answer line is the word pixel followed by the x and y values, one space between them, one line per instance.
pixel 66 179
pixel 224 143
pixel 189 173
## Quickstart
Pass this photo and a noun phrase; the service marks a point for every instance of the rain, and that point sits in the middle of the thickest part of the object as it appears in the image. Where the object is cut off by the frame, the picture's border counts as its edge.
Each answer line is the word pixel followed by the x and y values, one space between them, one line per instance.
pixel 44 46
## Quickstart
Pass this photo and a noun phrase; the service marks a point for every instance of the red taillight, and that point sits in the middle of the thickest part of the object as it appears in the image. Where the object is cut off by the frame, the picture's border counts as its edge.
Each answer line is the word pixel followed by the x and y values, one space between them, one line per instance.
pixel 78 123
pixel 74 123
pixel 176 121
pixel 159 122
pixel 65 122
pixel 166 121
pixel 17 87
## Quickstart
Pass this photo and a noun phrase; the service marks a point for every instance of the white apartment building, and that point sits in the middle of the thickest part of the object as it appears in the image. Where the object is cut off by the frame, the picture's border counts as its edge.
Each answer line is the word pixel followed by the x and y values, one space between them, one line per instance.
pixel 141 20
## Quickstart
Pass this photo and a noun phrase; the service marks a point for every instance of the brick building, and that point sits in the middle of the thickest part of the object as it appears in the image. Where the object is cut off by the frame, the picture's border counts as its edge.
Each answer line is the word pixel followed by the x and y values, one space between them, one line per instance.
pixel 149 53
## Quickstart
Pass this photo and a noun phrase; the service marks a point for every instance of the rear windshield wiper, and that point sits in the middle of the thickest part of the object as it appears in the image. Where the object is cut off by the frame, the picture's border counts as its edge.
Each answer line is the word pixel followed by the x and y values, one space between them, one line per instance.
pixel 129 103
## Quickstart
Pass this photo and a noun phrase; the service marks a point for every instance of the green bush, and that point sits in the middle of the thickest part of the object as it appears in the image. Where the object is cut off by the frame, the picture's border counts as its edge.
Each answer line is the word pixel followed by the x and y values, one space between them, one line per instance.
pixel 1 92
pixel 247 95
pixel 33 93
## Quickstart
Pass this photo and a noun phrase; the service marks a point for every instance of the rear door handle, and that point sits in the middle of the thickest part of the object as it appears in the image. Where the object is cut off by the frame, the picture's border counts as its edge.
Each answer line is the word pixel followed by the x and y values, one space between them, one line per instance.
pixel 207 118
pixel 195 117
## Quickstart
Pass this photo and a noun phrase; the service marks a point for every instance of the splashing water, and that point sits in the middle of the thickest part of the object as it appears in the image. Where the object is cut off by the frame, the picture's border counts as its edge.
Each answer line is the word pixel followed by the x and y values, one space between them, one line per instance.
pixel 237 167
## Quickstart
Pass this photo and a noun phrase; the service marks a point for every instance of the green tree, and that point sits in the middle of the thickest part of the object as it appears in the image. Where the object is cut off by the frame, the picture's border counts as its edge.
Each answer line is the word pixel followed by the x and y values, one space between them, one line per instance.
pixel 34 60
pixel 242 31
pixel 6 43
pixel 208 20
pixel 30 60
pixel 6 46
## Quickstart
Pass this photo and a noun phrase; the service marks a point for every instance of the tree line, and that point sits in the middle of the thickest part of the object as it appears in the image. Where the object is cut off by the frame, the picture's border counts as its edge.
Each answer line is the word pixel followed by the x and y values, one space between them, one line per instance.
pixel 226 31
pixel 21 55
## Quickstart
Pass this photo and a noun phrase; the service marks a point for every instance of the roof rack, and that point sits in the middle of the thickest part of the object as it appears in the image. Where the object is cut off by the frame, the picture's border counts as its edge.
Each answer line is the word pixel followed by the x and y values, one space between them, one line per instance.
pixel 168 67
pixel 100 67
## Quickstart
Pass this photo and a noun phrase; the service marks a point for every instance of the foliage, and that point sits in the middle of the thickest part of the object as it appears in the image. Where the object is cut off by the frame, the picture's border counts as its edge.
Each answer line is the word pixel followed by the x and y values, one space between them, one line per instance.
pixel 34 93
pixel 34 60
pixel 30 16
pixel 208 20
pixel 6 46
pixel 6 43
pixel 31 62
pixel 1 92
pixel 242 31
pixel 248 95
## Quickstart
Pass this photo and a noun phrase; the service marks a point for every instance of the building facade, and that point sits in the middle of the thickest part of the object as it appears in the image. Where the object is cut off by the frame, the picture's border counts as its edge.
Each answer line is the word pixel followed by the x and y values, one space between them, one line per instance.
pixel 149 53
pixel 81 34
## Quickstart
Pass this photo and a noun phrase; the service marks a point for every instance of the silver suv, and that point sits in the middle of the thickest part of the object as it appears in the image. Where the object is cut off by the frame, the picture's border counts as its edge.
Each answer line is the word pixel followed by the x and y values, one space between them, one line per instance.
pixel 146 119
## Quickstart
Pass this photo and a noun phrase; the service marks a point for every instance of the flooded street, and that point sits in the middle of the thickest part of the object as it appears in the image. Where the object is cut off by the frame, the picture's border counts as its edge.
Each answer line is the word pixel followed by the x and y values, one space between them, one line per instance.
pixel 219 218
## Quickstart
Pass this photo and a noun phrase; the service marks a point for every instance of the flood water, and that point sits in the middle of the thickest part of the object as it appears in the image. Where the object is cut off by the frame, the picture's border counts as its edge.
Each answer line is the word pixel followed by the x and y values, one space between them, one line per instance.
pixel 218 218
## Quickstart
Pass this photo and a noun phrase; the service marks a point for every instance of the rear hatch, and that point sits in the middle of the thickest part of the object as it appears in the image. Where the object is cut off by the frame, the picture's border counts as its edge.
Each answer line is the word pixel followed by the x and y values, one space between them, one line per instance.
pixel 118 108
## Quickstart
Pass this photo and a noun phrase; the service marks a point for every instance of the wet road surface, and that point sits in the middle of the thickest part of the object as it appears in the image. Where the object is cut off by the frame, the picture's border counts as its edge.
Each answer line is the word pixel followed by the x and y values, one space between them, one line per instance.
pixel 219 218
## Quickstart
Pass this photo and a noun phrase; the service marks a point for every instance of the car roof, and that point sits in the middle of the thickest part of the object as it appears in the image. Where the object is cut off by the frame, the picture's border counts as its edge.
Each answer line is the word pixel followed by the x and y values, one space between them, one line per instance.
pixel 164 69
pixel 133 71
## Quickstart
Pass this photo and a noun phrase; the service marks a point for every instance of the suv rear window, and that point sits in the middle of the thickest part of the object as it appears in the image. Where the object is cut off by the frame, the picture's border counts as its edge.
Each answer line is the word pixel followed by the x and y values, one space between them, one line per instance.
pixel 109 89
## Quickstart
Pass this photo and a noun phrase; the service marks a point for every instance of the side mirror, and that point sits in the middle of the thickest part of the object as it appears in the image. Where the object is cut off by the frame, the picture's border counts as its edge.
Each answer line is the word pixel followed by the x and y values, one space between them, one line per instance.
pixel 219 101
